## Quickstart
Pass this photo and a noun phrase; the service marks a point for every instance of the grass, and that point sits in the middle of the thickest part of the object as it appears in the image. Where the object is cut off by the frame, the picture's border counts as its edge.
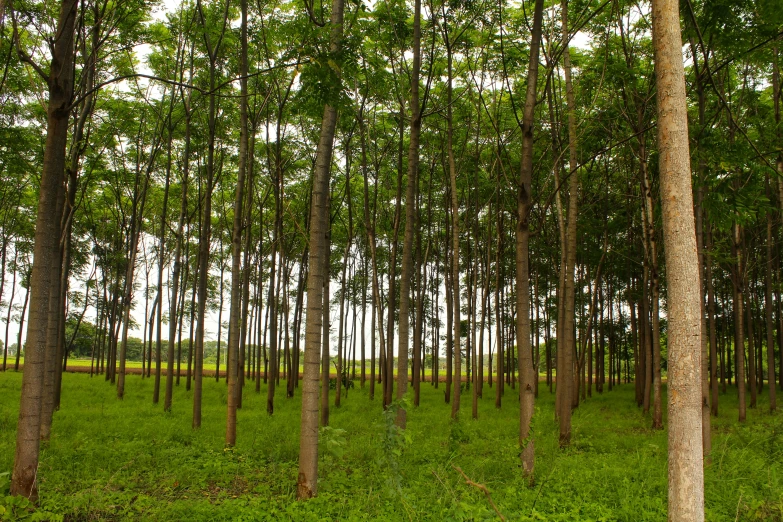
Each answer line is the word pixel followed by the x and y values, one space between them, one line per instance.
pixel 128 460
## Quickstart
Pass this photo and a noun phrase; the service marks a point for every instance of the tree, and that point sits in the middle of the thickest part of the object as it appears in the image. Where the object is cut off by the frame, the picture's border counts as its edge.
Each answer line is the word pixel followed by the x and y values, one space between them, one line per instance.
pixel 686 472
pixel 307 486
pixel 46 251
pixel 524 205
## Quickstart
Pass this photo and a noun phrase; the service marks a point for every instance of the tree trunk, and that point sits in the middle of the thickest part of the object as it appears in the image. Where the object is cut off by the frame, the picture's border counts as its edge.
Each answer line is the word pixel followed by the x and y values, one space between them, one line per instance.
pixel 234 320
pixel 569 392
pixel 174 308
pixel 649 223
pixel 46 249
pixel 767 309
pixel 410 218
pixel 686 471
pixel 524 206
pixel 161 264
pixel 307 485
pixel 739 333
pixel 712 325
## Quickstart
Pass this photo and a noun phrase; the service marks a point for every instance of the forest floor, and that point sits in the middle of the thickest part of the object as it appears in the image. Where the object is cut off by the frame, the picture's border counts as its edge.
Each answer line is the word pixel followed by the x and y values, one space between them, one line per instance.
pixel 128 460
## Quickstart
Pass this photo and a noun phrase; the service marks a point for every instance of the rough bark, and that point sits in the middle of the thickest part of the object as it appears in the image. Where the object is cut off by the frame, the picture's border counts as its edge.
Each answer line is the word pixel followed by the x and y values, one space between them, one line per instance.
pixel 46 249
pixel 686 472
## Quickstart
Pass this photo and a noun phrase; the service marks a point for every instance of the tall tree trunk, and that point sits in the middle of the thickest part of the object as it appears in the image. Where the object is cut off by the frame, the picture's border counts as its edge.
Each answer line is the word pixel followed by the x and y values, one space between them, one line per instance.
pixel 139 200
pixel 739 333
pixel 767 309
pixel 410 218
pixel 10 308
pixel 712 325
pixel 234 320
pixel 319 222
pixel 569 392
pixel 46 250
pixel 455 227
pixel 369 225
pixel 499 355
pixel 705 370
pixel 776 95
pixel 174 308
pixel 524 206
pixel 326 325
pixel 752 382
pixel 161 264
pixel 21 329
pixel 686 469
pixel 649 223
pixel 206 225
pixel 701 170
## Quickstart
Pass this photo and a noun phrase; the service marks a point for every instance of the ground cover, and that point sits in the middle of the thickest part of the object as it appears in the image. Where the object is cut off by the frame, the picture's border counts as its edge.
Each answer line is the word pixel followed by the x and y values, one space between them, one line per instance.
pixel 128 460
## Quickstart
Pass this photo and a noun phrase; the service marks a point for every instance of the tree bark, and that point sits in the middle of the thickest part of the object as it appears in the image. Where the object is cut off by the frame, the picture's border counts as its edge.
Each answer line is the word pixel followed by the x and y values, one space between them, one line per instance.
pixel 524 205
pixel 46 249
pixel 686 471
pixel 234 324
pixel 569 317
pixel 307 485
pixel 767 309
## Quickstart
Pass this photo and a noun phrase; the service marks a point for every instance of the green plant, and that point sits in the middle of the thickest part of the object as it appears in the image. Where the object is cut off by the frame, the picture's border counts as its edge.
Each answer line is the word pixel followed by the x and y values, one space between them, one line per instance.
pixel 333 441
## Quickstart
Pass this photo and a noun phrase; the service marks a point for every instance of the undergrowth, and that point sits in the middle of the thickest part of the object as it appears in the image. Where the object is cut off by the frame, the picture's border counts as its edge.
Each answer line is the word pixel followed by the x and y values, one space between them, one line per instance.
pixel 128 460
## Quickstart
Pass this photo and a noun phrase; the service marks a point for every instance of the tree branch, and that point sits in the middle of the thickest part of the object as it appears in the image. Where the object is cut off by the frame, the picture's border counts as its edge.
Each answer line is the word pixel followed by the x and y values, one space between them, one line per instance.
pixel 483 489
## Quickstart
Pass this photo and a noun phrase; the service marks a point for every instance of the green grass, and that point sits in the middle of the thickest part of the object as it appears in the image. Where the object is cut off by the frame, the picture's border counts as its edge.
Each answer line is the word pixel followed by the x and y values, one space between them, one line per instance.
pixel 128 460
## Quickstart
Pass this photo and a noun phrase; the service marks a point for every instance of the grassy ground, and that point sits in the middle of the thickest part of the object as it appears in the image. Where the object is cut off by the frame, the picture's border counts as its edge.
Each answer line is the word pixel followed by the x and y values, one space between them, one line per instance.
pixel 128 460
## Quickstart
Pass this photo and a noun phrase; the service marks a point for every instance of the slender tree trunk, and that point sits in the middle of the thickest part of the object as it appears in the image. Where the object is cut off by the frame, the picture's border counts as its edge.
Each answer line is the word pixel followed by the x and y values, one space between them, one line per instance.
pixel 308 447
pixel 234 324
pixel 686 471
pixel 455 228
pixel 133 246
pixel 705 370
pixel 569 327
pixel 524 205
pixel 712 325
pixel 174 309
pixel 649 223
pixel 206 232
pixel 410 218
pixel 10 308
pixel 751 341
pixel 767 310
pixel 326 325
pixel 499 356
pixel 776 96
pixel 340 328
pixel 161 264
pixel 739 333
pixel 21 329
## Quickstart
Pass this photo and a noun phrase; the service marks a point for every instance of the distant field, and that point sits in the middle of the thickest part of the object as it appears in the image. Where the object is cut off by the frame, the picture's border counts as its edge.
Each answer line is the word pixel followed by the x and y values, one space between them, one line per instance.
pixel 210 367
